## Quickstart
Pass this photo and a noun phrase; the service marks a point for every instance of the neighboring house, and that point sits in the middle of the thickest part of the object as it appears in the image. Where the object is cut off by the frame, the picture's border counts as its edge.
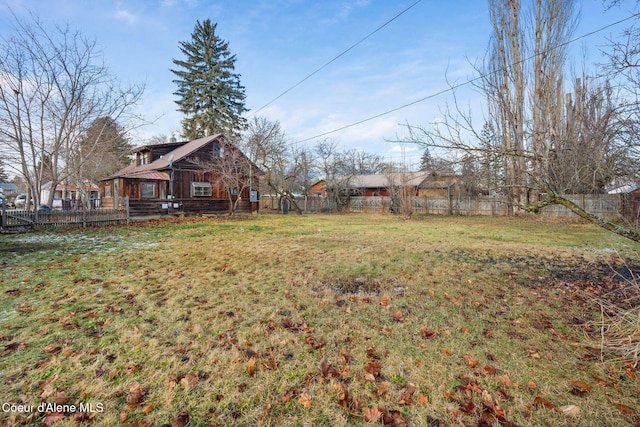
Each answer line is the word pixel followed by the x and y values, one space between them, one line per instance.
pixel 10 190
pixel 69 196
pixel 421 183
pixel 318 189
pixel 184 177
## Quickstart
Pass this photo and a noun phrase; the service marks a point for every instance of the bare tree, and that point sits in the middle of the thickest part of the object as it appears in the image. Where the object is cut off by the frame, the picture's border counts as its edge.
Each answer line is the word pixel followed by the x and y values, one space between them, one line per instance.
pixel 53 85
pixel 541 132
pixel 281 162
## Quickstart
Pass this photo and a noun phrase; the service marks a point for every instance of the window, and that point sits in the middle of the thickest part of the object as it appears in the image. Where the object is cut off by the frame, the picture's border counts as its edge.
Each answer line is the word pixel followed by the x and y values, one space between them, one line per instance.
pixel 147 190
pixel 233 191
pixel 200 189
pixel 217 150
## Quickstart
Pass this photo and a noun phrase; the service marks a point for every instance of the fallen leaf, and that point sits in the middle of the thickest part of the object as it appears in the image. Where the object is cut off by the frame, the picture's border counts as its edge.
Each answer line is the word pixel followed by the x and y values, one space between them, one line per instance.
pixel 181 420
pixel 251 366
pixel 136 395
pixel 398 316
pixel 471 362
pixel 287 397
pixel 490 370
pixel 626 410
pixel 52 349
pixel 427 334
pixel 540 402
pixel 189 381
pixel 147 408
pixel 422 399
pixel 305 400
pixel 381 390
pixel 394 418
pixel 14 346
pixel 580 388
pixel 505 380
pixel 372 415
pixel 373 371
pixel 52 418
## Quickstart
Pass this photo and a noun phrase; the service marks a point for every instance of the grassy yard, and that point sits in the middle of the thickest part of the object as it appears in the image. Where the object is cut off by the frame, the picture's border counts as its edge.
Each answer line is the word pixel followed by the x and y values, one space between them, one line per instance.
pixel 313 320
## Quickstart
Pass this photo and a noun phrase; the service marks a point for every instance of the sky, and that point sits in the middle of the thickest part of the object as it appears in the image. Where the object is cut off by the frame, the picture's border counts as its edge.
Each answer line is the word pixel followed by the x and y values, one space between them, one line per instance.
pixel 416 56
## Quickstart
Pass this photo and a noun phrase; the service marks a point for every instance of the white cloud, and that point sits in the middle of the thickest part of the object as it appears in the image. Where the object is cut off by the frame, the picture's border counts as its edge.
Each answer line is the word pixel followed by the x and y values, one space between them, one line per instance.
pixel 126 16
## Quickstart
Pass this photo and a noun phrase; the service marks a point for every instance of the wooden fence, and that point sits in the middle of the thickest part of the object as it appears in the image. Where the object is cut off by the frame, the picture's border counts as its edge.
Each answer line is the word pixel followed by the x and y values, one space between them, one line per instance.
pixel 604 205
pixel 19 220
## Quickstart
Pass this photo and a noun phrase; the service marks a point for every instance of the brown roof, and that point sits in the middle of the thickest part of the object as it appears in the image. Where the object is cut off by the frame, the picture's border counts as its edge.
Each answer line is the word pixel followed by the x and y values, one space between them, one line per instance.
pixel 384 180
pixel 165 162
pixel 160 176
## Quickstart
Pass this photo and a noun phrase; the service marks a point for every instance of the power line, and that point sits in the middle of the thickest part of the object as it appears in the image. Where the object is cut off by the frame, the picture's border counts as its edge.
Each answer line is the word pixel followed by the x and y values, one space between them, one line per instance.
pixel 335 58
pixel 457 86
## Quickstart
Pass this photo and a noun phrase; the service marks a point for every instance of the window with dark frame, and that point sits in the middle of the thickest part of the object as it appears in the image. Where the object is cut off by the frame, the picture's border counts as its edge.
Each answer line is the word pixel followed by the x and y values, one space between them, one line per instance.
pixel 201 189
pixel 147 190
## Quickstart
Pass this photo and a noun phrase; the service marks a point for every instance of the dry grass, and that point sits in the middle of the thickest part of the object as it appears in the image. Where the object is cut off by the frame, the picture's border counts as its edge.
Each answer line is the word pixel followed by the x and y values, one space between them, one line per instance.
pixel 315 320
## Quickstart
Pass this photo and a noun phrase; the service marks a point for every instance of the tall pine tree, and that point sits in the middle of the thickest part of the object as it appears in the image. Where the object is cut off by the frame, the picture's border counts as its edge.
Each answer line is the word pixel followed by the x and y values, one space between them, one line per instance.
pixel 209 91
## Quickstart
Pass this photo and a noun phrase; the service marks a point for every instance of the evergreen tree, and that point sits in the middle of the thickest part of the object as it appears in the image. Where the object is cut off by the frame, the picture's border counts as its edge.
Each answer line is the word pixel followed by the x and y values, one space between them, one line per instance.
pixel 209 91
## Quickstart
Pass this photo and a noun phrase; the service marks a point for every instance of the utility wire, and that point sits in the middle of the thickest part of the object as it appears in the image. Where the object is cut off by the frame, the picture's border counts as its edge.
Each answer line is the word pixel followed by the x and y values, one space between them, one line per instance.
pixel 457 86
pixel 336 58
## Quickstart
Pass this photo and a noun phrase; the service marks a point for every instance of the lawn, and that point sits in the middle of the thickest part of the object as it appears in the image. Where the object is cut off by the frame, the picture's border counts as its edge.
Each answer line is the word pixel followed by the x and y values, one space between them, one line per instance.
pixel 313 320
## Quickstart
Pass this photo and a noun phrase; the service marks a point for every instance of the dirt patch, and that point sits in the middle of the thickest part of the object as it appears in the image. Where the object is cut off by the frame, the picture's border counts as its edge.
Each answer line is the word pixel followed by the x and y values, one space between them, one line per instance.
pixel 22 248
pixel 348 286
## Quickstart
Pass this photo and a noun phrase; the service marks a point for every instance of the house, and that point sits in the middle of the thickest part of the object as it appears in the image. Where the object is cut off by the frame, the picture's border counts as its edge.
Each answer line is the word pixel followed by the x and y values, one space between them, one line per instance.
pixel 9 189
pixel 69 196
pixel 420 183
pixel 206 175
pixel 318 189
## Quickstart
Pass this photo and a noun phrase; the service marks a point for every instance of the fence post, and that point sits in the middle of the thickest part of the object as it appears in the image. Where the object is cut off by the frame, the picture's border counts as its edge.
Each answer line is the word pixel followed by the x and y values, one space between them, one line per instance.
pixel 4 216
pixel 125 202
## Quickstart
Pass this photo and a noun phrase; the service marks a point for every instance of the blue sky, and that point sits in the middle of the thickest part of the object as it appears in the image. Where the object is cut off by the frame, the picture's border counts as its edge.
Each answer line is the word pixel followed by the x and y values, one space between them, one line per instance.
pixel 280 42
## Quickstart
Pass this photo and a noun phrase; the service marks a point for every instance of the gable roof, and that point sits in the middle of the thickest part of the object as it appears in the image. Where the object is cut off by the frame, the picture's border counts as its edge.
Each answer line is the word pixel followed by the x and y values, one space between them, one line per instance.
pixel 384 180
pixel 165 162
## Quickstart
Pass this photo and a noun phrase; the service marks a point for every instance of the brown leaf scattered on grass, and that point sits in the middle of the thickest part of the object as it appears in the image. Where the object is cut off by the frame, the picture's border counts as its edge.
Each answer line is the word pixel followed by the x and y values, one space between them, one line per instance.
pixel 372 354
pixel 182 420
pixel 52 349
pixel 189 381
pixel 427 334
pixel 406 395
pixel 251 366
pixel 381 390
pixel 489 370
pixel 398 316
pixel 305 399
pixel 328 371
pixel 147 408
pixel 540 402
pixel 136 395
pixel 505 380
pixel 49 419
pixel 471 362
pixel 372 414
pixel 627 410
pixel 580 388
pixel 394 418
pixel 352 405
pixel 373 372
